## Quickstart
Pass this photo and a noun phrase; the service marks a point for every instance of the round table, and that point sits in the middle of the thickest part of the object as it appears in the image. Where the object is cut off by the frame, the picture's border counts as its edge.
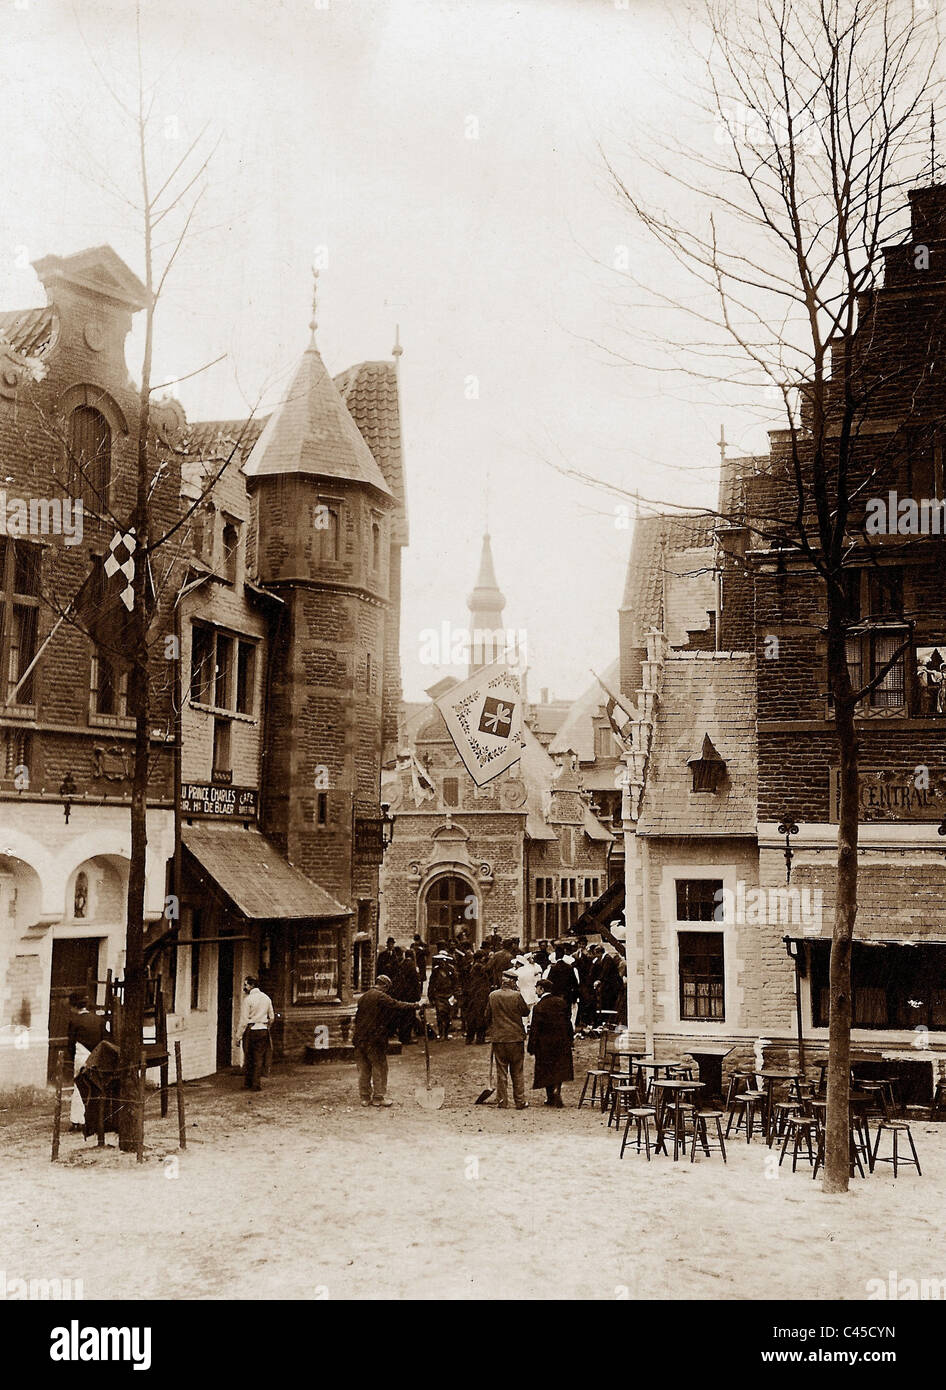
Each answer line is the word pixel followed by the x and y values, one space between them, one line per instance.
pixel 663 1089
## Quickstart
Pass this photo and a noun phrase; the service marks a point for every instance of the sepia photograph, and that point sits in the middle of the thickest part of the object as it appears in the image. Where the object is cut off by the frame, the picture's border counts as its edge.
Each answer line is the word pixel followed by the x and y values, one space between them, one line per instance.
pixel 472 644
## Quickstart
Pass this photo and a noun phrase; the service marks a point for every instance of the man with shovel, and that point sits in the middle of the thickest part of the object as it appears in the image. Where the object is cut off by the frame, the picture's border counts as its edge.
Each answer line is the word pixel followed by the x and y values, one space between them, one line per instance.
pixel 376 1017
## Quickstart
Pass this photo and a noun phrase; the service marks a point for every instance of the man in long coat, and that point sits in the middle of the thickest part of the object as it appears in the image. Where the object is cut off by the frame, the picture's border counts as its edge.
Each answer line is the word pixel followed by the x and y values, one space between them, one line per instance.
pixel 478 987
pixel 550 1043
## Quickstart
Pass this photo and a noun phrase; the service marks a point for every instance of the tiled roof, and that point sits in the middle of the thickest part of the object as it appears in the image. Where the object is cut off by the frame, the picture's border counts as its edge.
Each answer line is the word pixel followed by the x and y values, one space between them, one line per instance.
pixel 733 478
pixel 577 731
pixel 671 560
pixel 703 693
pixel 29 331
pixel 370 392
pixel 548 719
pixel 255 876
pixel 215 438
pixel 311 432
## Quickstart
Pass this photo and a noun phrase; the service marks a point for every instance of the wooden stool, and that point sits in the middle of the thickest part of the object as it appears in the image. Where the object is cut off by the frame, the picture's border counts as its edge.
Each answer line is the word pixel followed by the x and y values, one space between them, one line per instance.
pixel 701 1132
pixel 597 1075
pixel 641 1116
pixel 681 1112
pixel 797 1128
pixel 734 1081
pixel 895 1127
pixel 783 1111
pixel 855 1157
pixel 623 1092
pixel 748 1104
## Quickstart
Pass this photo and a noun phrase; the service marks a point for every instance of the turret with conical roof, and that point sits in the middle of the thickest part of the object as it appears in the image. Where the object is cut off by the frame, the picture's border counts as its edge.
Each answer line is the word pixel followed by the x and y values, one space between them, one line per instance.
pixel 329 519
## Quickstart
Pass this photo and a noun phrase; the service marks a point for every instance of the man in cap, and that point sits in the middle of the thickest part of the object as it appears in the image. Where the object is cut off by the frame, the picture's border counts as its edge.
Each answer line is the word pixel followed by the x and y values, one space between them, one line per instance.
pixel 507 1008
pixel 375 1018
pixel 442 988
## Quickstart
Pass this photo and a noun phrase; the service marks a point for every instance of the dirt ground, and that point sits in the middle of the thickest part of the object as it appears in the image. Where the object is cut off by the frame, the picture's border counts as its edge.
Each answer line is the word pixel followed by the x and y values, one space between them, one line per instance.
pixel 298 1193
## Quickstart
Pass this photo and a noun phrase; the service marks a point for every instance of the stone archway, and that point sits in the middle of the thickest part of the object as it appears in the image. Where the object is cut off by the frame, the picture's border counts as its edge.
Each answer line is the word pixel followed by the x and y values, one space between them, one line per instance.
pixel 449 905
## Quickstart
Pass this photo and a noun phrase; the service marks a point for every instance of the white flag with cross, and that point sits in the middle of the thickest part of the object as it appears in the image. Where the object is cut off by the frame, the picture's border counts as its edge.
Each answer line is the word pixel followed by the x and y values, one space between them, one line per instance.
pixel 483 716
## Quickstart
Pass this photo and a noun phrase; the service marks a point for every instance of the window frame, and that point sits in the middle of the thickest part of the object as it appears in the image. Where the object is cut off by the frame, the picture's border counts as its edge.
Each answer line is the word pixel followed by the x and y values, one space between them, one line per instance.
pixel 696 978
pixel 14 602
pixel 113 718
pixel 697 887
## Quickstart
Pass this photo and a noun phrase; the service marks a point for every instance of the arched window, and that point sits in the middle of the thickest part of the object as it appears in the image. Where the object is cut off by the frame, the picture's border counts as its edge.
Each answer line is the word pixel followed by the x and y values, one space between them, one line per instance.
pixel 90 457
pixel 451 905
pixel 375 546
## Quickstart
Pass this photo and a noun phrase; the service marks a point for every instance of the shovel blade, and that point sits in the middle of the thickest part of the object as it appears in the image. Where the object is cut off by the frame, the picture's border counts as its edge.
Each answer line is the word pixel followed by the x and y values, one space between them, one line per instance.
pixel 429 1099
pixel 483 1096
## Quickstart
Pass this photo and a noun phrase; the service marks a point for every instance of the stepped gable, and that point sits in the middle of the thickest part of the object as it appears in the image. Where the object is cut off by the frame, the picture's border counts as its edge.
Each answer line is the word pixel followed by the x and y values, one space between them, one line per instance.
pixel 311 432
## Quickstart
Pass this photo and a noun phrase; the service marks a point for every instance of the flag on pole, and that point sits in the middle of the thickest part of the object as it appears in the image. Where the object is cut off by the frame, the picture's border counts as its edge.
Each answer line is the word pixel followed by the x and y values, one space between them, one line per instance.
pixel 614 709
pixel 105 603
pixel 484 718
pixel 421 785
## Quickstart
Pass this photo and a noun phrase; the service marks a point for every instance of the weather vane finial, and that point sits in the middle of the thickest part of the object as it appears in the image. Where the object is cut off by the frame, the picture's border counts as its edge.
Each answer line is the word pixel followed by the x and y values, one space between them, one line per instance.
pixel 313 322
pixel 397 350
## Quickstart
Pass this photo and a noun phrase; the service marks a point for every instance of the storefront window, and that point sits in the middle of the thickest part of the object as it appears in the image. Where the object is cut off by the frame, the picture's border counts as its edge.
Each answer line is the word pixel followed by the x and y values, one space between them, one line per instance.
pixel 315 965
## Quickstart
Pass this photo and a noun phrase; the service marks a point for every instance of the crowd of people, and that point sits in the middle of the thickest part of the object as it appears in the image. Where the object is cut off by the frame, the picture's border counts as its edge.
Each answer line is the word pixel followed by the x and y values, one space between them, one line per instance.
pixel 496 989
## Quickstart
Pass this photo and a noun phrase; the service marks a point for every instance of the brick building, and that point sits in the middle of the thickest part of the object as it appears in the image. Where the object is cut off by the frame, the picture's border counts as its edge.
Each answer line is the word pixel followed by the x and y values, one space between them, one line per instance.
pixel 896 598
pixel 66 396
pixel 730 743
pixel 524 854
pixel 284 597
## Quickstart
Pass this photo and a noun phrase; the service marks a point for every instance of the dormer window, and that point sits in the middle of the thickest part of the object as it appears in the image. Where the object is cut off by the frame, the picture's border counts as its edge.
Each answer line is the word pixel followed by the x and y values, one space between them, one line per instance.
pixel 90 457
pixel 708 769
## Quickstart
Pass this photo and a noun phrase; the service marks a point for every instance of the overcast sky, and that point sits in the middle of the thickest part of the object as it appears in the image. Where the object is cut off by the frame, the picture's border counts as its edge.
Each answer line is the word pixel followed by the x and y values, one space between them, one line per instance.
pixel 440 158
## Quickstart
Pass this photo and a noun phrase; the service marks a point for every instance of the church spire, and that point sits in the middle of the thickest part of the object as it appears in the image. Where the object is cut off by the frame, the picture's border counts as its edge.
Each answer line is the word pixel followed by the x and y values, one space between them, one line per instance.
pixel 486 604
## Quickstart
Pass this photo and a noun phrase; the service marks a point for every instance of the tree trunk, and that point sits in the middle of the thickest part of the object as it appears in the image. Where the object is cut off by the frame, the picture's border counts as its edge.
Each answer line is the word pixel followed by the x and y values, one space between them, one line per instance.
pixel 139 689
pixel 837 1123
pixel 130 1042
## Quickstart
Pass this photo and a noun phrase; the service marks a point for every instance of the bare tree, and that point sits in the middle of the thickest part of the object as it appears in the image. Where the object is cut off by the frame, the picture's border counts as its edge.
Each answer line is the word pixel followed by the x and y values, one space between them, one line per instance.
pixel 820 114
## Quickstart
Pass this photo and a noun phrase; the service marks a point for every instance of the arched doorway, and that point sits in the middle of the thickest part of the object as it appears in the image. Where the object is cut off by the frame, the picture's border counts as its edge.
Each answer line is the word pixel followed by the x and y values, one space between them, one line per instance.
pixel 450 908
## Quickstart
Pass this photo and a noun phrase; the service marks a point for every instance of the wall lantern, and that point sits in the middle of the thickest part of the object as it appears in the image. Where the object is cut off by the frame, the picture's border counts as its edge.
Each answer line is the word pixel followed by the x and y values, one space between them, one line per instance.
pixel 387 825
pixel 67 790
pixel 788 828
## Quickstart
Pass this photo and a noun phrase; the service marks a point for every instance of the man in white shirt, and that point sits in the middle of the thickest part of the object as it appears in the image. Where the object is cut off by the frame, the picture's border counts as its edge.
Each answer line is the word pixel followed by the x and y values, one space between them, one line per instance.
pixel 256 1018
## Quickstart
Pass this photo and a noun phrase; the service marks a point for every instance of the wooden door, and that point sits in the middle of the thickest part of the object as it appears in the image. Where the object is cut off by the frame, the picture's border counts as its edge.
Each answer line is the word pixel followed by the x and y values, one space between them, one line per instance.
pixel 75 962
pixel 224 1004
